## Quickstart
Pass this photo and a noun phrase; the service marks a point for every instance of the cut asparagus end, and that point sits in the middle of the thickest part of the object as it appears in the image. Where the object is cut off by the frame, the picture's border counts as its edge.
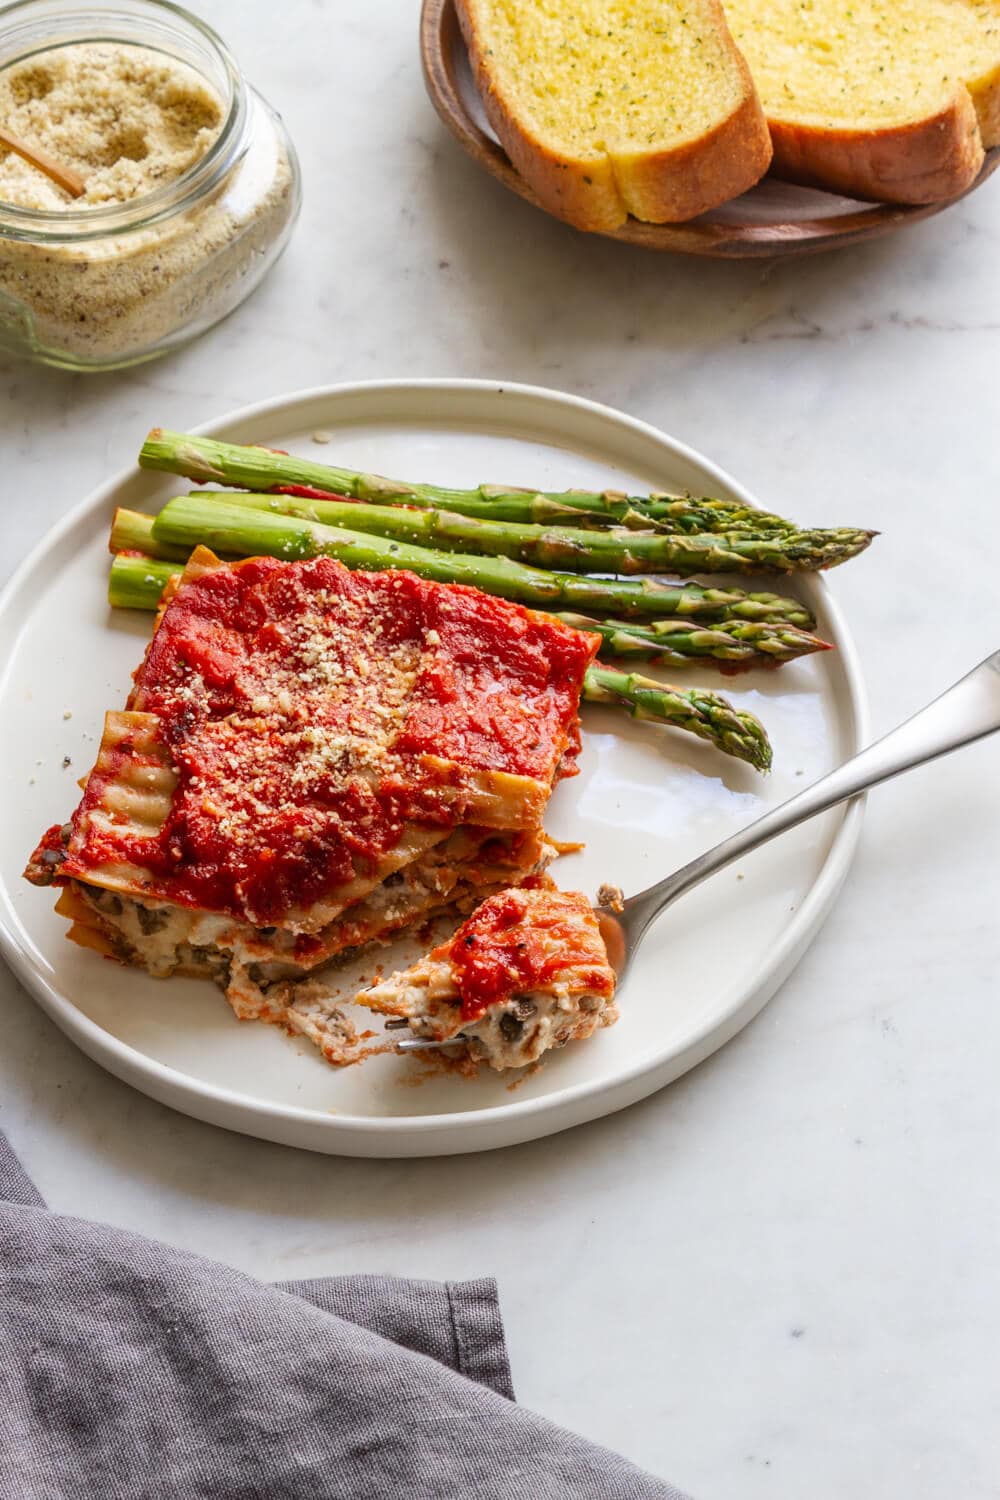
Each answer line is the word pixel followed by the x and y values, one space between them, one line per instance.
pixel 136 582
pixel 132 531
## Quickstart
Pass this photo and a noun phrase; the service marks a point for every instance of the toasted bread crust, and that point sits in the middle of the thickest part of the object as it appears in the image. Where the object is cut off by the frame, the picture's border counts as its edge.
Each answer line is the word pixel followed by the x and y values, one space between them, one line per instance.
pixel 923 161
pixel 670 187
pixel 660 187
pixel 985 94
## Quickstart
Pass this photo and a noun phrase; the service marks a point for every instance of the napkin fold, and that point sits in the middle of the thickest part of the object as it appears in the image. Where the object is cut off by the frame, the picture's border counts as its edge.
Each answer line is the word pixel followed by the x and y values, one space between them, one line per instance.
pixel 130 1370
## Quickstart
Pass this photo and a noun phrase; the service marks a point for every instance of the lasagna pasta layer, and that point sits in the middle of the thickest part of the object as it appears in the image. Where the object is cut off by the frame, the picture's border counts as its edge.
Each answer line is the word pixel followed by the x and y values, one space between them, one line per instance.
pixel 305 719
pixel 311 759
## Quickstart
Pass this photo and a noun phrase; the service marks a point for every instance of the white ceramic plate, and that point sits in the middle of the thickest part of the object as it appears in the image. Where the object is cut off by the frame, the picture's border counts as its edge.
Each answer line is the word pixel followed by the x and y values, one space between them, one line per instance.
pixel 648 799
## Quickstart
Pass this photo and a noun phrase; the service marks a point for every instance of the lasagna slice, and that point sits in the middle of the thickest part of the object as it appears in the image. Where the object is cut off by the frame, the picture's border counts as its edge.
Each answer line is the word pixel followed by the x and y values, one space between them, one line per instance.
pixel 528 971
pixel 311 760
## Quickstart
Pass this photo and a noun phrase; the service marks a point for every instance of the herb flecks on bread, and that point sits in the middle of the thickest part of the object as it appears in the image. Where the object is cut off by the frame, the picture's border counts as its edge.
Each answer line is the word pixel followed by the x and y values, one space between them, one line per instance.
pixel 882 99
pixel 639 108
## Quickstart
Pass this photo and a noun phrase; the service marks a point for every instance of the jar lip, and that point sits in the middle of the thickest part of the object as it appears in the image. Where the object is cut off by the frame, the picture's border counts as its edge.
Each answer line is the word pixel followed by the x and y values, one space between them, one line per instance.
pixel 193 184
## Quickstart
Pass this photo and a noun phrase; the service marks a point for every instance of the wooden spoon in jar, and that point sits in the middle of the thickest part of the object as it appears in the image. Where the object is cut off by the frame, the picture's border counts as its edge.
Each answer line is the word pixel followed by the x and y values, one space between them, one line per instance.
pixel 63 177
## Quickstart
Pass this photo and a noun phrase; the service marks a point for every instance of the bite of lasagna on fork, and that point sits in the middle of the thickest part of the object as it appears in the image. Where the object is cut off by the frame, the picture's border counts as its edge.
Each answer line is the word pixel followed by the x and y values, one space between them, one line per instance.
pixel 528 971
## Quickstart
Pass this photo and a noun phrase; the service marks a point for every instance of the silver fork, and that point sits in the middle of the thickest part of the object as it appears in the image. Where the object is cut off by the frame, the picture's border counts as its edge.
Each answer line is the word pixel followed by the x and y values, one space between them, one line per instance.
pixel 968 711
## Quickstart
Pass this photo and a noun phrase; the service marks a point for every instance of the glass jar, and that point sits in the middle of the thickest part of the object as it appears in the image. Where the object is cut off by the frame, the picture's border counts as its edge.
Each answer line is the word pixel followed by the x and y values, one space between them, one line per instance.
pixel 99 287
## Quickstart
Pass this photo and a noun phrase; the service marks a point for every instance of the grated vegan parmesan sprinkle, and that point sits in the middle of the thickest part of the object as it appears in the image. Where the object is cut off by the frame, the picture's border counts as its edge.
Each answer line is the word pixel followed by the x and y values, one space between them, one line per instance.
pixel 127 118
pixel 131 120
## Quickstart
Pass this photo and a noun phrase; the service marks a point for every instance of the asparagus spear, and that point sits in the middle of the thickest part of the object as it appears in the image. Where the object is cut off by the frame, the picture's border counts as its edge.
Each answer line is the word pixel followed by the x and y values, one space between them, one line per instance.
pixel 705 714
pixel 574 549
pixel 238 529
pixel 137 582
pixel 131 531
pixel 737 643
pixel 205 459
pixel 691 513
pixel 671 642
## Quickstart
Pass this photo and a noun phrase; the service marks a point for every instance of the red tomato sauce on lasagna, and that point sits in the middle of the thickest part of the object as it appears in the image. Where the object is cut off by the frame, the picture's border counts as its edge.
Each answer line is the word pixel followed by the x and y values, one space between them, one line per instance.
pixel 515 943
pixel 299 704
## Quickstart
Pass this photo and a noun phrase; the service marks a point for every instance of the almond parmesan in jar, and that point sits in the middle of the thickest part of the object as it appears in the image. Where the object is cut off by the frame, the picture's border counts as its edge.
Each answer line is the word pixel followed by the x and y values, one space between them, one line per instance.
pixel 192 185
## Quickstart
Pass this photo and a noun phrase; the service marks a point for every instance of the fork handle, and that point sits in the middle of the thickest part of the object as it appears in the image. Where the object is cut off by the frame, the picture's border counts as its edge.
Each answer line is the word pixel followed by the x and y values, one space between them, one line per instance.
pixel 966 712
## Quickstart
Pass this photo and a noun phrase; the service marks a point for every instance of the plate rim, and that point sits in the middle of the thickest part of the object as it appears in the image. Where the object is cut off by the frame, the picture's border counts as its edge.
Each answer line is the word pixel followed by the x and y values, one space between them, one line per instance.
pixel 517 1120
pixel 439 28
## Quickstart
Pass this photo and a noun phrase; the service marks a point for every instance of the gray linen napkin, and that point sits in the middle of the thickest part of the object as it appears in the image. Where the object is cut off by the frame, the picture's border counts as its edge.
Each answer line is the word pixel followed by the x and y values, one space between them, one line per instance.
pixel 133 1371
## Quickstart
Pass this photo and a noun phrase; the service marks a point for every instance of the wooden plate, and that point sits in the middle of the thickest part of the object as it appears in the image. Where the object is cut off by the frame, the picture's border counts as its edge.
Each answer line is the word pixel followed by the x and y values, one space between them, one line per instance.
pixel 774 218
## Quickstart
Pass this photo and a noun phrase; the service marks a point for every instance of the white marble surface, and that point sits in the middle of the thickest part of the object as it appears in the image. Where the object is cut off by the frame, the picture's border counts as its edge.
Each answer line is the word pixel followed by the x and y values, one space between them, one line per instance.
pixel 778 1277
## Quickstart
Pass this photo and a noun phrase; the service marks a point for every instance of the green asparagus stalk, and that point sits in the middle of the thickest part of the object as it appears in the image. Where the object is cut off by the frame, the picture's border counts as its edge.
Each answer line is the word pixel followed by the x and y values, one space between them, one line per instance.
pixel 699 513
pixel 572 549
pixel 231 528
pixel 132 531
pixel 731 643
pixel 742 643
pixel 250 468
pixel 137 582
pixel 707 715
pixel 670 642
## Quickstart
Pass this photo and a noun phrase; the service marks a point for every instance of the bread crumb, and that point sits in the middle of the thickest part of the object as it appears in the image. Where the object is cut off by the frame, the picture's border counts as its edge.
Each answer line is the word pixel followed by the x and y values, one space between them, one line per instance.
pixel 322 437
